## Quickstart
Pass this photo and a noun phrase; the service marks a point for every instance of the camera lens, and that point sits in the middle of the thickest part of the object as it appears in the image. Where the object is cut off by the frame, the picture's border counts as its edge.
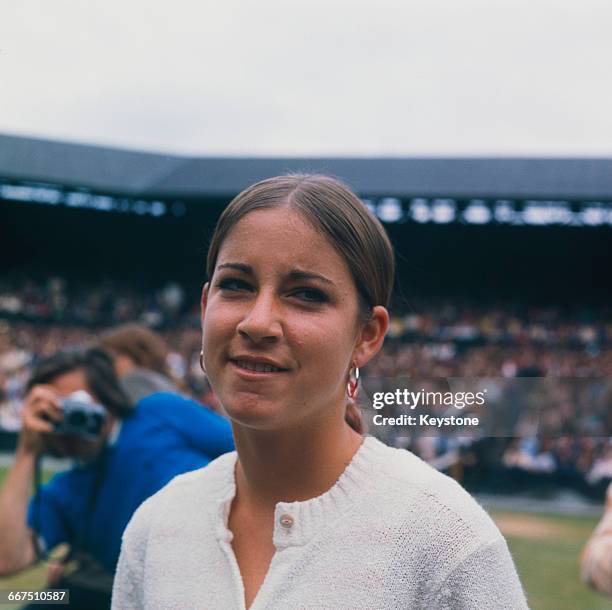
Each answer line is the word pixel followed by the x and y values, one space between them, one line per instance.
pixel 94 425
pixel 76 419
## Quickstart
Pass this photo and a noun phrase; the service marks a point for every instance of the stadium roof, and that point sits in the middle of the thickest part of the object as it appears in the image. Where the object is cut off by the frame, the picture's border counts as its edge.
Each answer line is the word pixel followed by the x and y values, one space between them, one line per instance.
pixel 140 174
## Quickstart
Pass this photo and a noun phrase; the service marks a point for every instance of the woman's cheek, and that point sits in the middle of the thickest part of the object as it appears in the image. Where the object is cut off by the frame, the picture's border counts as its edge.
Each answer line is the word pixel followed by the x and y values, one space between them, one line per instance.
pixel 318 347
pixel 214 345
pixel 220 322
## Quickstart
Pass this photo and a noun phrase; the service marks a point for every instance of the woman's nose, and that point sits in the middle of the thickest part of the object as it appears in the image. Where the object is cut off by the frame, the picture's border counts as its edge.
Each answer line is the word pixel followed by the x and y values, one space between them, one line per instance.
pixel 261 321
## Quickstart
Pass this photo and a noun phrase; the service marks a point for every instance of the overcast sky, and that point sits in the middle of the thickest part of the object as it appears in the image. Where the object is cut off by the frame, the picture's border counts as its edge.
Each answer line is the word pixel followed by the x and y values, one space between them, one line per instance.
pixel 311 77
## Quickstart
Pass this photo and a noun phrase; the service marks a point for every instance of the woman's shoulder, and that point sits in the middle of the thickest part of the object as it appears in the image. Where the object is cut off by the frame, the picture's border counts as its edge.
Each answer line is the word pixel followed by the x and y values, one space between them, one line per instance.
pixel 411 488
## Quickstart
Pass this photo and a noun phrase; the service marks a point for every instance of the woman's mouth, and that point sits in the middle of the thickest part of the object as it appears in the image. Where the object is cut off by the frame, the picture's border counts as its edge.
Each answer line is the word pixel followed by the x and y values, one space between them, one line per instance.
pixel 256 368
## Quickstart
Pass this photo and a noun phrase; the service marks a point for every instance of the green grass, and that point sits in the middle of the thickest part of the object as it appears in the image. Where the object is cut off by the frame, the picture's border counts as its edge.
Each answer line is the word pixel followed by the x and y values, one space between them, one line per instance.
pixel 32 578
pixel 46 475
pixel 547 565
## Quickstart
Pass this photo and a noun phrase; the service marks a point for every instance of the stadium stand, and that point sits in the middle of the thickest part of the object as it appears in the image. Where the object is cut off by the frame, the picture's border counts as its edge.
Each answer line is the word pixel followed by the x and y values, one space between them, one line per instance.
pixel 503 272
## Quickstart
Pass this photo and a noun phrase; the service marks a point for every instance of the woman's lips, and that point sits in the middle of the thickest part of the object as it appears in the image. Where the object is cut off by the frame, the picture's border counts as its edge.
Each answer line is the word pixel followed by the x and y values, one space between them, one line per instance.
pixel 251 370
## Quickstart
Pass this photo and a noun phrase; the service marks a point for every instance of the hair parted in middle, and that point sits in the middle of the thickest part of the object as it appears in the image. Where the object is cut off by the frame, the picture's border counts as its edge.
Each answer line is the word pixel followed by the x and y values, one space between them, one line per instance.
pixel 333 209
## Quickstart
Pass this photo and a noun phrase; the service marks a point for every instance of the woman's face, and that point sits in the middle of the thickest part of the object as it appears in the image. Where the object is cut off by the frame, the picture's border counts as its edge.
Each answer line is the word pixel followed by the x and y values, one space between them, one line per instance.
pixel 280 322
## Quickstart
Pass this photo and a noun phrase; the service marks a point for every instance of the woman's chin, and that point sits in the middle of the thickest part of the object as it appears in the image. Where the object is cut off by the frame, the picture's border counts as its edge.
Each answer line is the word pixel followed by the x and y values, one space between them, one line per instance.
pixel 253 412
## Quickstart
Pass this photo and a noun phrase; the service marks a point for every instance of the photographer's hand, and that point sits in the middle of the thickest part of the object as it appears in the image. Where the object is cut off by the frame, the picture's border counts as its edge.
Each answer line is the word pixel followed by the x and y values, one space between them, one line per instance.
pixel 40 409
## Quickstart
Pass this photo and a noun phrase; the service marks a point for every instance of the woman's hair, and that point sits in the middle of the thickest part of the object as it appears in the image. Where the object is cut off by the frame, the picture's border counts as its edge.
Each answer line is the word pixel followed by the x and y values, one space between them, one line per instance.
pixel 333 209
pixel 99 372
pixel 143 346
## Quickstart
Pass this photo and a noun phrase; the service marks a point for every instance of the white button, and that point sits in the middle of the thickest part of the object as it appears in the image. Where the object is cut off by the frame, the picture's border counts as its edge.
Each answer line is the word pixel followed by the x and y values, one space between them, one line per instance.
pixel 286 521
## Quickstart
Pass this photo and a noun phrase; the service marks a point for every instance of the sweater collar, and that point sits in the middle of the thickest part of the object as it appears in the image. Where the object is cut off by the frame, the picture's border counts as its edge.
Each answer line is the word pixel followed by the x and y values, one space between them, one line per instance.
pixel 295 523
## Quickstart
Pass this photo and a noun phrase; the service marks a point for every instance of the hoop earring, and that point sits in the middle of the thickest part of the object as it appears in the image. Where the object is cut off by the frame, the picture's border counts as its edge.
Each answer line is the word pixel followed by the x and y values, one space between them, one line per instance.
pixel 202 362
pixel 353 383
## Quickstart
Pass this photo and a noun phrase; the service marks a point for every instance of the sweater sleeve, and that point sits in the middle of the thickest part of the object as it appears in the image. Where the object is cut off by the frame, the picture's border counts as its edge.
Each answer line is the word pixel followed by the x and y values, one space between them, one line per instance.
pixel 128 586
pixel 486 578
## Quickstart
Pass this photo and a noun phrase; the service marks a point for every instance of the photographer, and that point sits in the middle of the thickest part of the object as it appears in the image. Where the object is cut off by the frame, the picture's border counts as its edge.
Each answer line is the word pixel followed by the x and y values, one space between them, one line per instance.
pixel 76 407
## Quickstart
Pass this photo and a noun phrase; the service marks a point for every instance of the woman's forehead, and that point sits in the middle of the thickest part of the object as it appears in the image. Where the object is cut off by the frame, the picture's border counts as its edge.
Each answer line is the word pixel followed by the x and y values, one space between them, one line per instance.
pixel 283 238
pixel 279 221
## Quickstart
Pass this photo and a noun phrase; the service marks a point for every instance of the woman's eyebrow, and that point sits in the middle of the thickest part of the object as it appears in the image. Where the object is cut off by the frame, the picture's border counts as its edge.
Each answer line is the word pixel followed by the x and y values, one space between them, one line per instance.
pixel 299 274
pixel 238 266
pixel 293 275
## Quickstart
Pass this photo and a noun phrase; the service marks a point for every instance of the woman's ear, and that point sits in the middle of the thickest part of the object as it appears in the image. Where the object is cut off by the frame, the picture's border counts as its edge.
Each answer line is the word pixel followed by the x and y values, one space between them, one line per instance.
pixel 371 336
pixel 203 302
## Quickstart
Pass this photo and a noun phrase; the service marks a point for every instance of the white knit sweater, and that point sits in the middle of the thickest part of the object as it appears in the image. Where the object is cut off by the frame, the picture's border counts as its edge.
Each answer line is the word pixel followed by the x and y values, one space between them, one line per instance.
pixel 391 533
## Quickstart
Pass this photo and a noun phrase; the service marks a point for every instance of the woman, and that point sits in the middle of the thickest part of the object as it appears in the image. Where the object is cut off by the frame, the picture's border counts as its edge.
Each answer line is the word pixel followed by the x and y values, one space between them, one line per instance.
pixel 307 513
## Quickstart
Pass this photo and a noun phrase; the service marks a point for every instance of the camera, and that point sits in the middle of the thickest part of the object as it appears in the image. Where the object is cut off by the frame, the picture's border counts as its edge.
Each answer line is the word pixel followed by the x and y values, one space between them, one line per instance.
pixel 82 416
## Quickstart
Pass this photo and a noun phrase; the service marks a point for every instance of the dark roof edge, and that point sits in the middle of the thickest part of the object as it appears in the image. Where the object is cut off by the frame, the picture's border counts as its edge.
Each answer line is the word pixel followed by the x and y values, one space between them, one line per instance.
pixel 148 174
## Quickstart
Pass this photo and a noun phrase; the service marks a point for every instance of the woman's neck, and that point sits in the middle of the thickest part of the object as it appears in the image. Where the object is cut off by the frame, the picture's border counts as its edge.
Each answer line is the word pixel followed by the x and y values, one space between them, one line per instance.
pixel 289 466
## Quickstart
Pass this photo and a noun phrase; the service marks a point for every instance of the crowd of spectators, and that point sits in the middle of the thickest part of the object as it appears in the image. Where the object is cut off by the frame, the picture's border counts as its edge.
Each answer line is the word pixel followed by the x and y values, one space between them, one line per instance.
pixel 103 303
pixel 433 340
pixel 468 322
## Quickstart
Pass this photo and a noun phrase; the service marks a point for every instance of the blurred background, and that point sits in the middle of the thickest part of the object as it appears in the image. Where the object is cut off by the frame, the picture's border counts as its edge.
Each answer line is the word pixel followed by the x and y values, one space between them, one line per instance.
pixel 478 133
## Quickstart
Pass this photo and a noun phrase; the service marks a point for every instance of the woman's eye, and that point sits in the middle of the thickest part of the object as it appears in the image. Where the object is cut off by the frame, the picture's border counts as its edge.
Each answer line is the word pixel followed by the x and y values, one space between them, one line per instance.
pixel 233 284
pixel 311 295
